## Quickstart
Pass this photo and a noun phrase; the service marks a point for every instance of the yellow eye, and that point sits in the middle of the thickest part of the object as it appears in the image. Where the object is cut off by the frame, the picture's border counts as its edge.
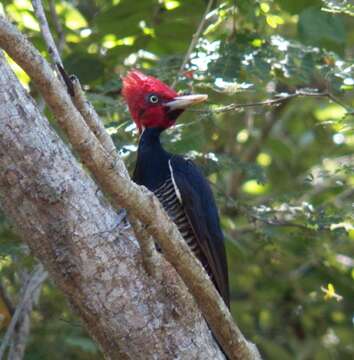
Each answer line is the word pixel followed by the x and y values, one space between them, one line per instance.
pixel 153 99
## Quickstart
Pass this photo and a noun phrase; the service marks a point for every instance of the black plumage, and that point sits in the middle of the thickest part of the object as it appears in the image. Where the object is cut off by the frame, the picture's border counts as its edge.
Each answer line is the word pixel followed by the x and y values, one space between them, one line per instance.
pixel 186 196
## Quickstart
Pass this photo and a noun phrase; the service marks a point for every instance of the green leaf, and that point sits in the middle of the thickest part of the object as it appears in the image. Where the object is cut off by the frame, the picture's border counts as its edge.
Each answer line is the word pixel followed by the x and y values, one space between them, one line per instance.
pixel 321 29
pixel 295 7
pixel 123 19
pixel 86 67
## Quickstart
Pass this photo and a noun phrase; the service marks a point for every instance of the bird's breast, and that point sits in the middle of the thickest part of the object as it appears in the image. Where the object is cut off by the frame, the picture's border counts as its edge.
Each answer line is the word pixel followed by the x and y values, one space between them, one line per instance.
pixel 167 195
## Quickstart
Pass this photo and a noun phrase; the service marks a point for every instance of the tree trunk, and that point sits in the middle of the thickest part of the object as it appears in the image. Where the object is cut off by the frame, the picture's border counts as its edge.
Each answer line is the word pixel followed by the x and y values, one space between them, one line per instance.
pixel 89 249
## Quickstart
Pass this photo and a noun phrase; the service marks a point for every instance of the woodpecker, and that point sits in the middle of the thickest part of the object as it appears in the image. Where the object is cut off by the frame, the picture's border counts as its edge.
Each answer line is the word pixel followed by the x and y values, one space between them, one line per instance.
pixel 178 183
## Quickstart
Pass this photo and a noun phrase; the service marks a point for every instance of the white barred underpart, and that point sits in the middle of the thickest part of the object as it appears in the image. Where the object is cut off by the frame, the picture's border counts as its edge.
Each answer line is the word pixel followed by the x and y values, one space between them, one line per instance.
pixel 174 182
pixel 168 197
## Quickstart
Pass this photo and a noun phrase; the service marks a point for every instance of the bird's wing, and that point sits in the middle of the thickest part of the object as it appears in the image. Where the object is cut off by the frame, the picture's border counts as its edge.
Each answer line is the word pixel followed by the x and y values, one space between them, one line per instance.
pixel 200 208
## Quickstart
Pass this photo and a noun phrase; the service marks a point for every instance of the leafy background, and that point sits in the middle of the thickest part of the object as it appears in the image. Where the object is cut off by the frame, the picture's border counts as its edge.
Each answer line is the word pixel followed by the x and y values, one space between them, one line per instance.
pixel 283 175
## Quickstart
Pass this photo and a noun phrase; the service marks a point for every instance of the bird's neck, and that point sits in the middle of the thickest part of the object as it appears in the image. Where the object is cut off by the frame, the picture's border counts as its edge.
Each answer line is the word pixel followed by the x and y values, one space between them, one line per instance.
pixel 152 162
pixel 150 138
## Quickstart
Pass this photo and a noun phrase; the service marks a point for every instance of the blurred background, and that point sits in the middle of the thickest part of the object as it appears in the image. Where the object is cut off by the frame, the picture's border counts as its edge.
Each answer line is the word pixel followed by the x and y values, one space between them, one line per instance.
pixel 283 175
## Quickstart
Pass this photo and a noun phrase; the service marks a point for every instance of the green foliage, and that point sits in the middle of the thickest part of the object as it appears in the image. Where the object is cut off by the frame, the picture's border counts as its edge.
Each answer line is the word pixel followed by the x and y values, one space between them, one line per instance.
pixel 339 6
pixel 283 175
pixel 319 28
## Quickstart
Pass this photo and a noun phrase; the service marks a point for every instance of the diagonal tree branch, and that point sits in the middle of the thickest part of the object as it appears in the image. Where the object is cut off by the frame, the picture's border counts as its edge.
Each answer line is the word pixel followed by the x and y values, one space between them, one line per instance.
pixel 151 257
pixel 93 121
pixel 147 243
pixel 86 246
pixel 48 37
pixel 85 108
pixel 109 173
pixel 58 26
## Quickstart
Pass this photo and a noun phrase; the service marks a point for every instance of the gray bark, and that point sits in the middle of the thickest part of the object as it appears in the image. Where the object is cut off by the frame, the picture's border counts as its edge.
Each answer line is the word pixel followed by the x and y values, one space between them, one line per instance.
pixel 89 251
pixel 110 174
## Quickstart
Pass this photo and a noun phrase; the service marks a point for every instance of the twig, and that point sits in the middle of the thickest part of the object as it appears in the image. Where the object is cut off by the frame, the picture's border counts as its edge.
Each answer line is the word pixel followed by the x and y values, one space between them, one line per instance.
pixel 47 35
pixel 124 193
pixel 276 101
pixel 20 336
pixel 58 27
pixel 277 222
pixel 194 41
pixel 91 117
pixel 48 39
pixel 74 87
pixel 151 258
pixel 72 82
pixel 52 48
pixel 251 152
pixel 92 120
pixel 37 278
pixel 245 210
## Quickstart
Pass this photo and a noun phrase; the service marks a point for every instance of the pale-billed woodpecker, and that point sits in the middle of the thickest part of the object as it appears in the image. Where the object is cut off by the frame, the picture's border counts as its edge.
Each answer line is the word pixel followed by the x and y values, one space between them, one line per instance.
pixel 178 183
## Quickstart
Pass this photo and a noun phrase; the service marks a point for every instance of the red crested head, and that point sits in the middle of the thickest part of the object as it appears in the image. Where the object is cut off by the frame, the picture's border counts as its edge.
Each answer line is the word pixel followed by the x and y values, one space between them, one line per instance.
pixel 152 103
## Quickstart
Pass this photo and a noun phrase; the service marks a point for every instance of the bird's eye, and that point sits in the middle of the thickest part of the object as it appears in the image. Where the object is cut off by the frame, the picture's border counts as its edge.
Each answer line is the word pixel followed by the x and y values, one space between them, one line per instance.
pixel 153 99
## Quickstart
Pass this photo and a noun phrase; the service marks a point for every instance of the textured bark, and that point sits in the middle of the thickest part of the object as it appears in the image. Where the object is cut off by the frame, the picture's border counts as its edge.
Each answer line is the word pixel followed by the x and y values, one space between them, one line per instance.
pixel 109 172
pixel 87 247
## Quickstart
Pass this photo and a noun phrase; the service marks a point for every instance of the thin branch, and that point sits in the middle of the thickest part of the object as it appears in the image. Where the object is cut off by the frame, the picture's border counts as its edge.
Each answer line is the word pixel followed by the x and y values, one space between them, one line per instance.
pixel 37 278
pixel 141 203
pixel 58 26
pixel 252 151
pixel 147 244
pixel 194 41
pixel 151 257
pixel 277 101
pixel 91 117
pixel 47 35
pixel 277 222
pixel 20 336
pixel 250 214
pixel 85 108
pixel 72 82
pixel 48 39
